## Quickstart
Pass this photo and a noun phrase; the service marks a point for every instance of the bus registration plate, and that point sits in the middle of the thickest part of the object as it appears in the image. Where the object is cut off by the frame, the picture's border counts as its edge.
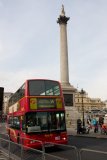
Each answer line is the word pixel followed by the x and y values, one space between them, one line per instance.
pixel 57 138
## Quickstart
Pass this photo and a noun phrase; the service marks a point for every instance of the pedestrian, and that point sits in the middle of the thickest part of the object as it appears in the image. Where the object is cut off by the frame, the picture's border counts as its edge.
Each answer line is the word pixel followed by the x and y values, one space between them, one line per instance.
pixel 95 124
pixel 88 126
pixel 101 121
pixel 79 126
pixel 104 125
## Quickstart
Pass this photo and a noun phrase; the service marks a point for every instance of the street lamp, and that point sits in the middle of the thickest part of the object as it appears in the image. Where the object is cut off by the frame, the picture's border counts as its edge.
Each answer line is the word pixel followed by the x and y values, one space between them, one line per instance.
pixel 82 95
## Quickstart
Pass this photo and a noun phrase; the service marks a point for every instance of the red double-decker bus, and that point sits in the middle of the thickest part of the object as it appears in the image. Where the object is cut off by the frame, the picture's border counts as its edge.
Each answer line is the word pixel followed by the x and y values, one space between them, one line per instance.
pixel 36 112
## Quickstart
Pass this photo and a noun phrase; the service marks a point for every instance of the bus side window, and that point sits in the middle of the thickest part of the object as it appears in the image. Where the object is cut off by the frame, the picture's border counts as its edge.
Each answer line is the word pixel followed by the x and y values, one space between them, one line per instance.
pixel 16 122
pixel 10 122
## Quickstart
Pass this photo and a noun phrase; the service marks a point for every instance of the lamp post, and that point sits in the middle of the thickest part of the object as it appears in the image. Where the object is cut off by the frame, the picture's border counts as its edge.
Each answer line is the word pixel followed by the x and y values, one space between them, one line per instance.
pixel 82 95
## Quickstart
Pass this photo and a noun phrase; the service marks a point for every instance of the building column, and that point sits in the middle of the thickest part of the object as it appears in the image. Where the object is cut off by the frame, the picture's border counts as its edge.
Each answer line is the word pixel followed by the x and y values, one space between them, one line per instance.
pixel 67 88
pixel 64 69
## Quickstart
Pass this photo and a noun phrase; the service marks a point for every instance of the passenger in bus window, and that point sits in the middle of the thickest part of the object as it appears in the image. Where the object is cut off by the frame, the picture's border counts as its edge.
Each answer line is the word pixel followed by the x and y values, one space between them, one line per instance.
pixel 30 122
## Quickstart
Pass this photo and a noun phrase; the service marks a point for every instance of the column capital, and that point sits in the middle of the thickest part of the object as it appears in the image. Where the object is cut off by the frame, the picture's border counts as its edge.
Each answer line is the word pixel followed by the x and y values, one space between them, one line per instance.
pixel 62 19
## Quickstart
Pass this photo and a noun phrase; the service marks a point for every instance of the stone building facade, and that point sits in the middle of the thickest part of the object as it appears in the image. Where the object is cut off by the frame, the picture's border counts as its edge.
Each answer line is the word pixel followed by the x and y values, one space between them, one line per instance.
pixel 83 100
pixel 7 95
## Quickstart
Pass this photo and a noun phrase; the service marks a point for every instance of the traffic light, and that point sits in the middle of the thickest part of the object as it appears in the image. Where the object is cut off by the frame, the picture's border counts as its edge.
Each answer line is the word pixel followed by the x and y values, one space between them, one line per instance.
pixel 1 97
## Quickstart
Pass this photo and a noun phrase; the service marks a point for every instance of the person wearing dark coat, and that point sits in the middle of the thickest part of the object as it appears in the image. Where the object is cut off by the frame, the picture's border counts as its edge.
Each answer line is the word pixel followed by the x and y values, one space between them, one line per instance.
pixel 79 126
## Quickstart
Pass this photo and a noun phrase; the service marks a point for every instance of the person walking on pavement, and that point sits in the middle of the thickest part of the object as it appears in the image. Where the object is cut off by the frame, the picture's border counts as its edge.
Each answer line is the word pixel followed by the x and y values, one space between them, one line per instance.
pixel 101 122
pixel 104 125
pixel 88 126
pixel 79 126
pixel 95 124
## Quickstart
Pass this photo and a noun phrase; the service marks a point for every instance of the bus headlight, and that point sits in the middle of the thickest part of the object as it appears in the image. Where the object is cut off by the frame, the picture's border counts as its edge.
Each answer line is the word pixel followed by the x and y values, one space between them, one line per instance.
pixel 32 141
pixel 64 138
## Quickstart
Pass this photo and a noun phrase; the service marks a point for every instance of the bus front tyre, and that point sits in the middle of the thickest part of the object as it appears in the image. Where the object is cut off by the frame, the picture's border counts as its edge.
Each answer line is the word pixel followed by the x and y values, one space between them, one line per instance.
pixel 18 139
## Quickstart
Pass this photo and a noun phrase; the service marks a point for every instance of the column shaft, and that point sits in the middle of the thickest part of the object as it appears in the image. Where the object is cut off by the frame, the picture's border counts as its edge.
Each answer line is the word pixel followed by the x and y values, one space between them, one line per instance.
pixel 64 70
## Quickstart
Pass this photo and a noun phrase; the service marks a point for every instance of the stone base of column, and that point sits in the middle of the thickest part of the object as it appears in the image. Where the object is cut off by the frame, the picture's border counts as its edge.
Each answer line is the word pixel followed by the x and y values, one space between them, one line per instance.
pixel 72 115
pixel 71 112
pixel 68 87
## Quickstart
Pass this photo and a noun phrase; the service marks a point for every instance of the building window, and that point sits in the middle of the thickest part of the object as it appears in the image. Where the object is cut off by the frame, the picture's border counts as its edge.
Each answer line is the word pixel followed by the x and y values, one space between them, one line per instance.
pixel 68 99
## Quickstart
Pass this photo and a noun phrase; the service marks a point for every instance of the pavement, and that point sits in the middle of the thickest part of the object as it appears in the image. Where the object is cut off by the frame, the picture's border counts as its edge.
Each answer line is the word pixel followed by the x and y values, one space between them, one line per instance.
pixel 70 131
pixel 73 132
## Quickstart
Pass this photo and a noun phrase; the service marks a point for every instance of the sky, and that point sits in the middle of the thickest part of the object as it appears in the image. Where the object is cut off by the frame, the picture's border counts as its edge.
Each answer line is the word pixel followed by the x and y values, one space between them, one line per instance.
pixel 30 43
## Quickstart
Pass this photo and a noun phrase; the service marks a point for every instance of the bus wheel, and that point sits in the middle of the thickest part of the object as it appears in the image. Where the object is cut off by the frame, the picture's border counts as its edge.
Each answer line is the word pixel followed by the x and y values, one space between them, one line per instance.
pixel 18 139
pixel 9 136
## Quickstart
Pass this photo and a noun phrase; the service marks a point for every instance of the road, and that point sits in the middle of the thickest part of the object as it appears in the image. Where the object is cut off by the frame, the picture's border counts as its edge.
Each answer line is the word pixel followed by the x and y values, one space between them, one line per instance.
pixel 88 142
pixel 66 152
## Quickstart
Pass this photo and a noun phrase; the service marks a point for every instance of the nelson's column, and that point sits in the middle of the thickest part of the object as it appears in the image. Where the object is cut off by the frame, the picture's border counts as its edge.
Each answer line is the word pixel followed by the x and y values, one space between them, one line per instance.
pixel 68 89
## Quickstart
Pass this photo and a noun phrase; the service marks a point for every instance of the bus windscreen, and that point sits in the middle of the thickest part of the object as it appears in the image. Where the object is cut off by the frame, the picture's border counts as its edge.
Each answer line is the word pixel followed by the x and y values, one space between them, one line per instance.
pixel 43 87
pixel 45 121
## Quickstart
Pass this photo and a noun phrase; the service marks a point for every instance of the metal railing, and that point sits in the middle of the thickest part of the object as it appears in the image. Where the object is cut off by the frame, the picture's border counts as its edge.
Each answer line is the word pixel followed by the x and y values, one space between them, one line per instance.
pixel 17 151
pixel 3 156
pixel 48 151
pixel 65 151
pixel 87 154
